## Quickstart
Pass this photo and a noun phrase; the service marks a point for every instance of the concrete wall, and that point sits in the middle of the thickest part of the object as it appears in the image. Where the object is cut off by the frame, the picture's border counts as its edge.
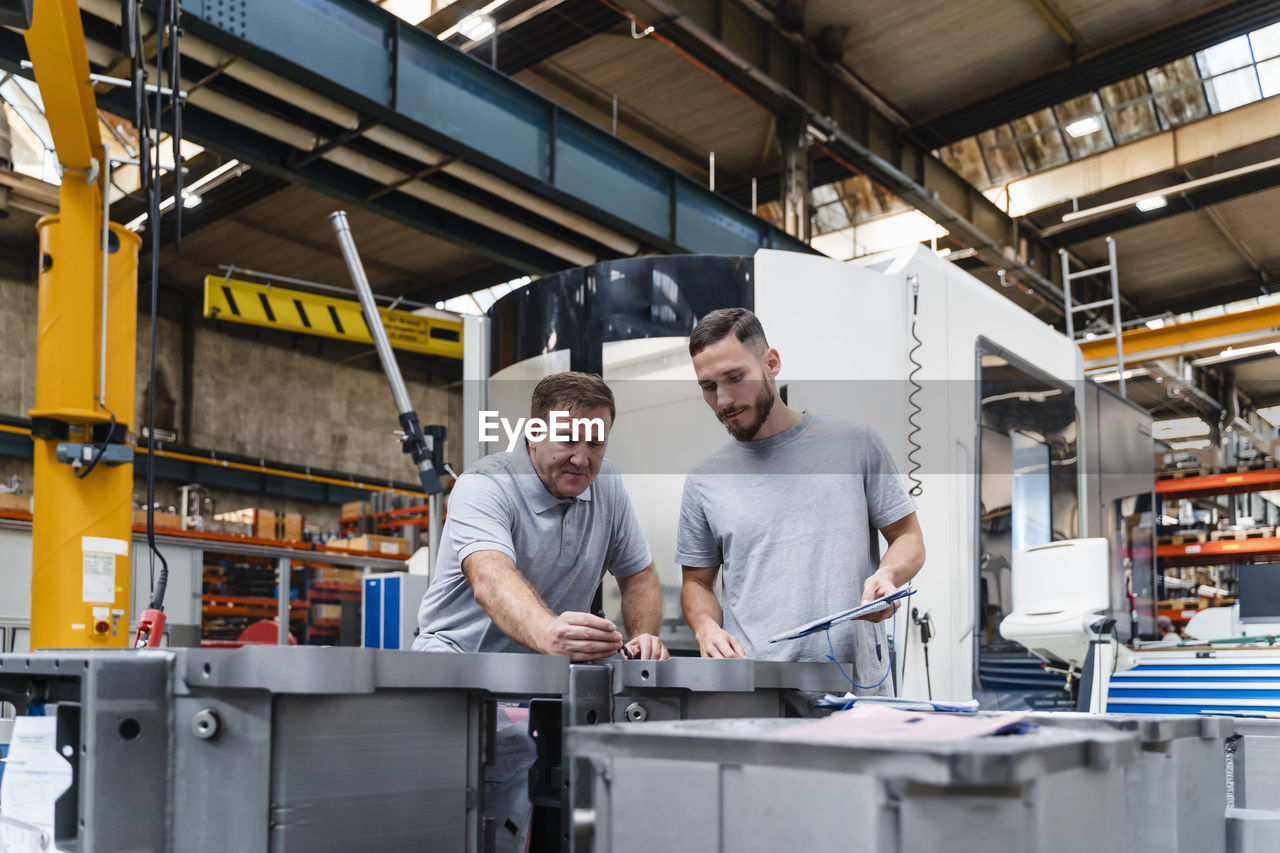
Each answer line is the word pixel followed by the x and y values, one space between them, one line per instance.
pixel 271 396
pixel 17 346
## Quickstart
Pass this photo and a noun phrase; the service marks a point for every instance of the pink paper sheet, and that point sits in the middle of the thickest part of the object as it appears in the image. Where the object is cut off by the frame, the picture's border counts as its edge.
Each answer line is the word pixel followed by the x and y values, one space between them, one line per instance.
pixel 877 723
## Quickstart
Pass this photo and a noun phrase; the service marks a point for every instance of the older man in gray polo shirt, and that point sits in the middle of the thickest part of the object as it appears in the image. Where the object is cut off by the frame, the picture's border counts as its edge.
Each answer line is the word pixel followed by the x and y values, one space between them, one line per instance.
pixel 529 536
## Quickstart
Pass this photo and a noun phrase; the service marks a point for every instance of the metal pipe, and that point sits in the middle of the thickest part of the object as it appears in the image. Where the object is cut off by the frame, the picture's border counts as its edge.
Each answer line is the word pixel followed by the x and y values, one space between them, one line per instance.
pixel 1115 310
pixel 106 233
pixel 435 521
pixel 282 605
pixel 232 269
pixel 152 88
pixel 361 281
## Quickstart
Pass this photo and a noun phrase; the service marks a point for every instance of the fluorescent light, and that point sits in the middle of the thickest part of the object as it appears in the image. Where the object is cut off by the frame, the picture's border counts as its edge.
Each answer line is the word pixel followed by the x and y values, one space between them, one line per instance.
pixel 476 27
pixel 1113 376
pixel 1157 323
pixel 1234 352
pixel 818 133
pixel 1151 202
pixel 191 195
pixel 1083 127
pixel 485 11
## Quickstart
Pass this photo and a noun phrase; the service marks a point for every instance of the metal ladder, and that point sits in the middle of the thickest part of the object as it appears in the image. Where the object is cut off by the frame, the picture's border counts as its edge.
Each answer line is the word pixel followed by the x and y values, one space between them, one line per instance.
pixel 1114 301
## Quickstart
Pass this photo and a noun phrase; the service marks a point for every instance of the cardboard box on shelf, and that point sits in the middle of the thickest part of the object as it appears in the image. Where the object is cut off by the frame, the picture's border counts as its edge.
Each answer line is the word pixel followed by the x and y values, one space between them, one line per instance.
pixel 326 611
pixel 19 502
pixel 267 523
pixel 355 508
pixel 333 574
pixel 376 544
pixel 229 528
pixel 165 520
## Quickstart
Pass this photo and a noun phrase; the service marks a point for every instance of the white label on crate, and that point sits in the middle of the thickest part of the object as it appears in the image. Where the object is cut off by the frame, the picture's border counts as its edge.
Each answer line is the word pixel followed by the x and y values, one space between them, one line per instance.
pixel 1192 549
pixel 103 545
pixel 99 577
pixel 389 548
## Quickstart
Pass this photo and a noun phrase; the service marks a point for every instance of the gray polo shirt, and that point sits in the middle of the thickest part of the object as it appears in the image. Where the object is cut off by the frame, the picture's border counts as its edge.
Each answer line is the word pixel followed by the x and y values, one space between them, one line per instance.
pixel 562 546
pixel 792 522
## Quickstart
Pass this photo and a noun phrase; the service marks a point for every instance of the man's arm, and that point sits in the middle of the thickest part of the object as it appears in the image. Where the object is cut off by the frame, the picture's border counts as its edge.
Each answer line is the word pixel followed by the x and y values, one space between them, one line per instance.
pixel 902 560
pixel 520 613
pixel 703 613
pixel 642 613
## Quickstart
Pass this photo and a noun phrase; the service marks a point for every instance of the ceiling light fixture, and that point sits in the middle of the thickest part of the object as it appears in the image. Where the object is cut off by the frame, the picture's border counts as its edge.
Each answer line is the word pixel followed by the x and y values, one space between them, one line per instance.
pixel 194 194
pixel 1233 353
pixel 483 12
pixel 476 27
pixel 1083 127
pixel 1151 202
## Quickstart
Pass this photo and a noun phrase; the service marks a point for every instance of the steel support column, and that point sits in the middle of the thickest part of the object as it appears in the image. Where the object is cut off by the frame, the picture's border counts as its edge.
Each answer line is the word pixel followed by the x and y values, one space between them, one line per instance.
pixel 796 171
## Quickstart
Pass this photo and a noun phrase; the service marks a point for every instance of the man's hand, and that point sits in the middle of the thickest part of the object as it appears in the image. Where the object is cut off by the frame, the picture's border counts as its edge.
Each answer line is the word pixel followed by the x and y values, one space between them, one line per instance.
pixel 878 586
pixel 716 642
pixel 581 636
pixel 647 647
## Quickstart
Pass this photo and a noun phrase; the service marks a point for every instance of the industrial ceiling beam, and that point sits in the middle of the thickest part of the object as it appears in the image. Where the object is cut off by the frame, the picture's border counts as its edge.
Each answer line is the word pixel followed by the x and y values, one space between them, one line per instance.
pixel 364 59
pixel 743 43
pixel 1098 69
pixel 1173 339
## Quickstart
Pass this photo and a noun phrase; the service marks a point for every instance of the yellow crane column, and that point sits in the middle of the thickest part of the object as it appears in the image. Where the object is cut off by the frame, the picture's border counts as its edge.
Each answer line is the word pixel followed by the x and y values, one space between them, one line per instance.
pixel 82 530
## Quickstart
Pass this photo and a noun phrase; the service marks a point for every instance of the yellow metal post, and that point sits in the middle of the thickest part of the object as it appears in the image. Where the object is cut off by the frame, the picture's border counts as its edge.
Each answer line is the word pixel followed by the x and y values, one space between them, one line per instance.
pixel 82 527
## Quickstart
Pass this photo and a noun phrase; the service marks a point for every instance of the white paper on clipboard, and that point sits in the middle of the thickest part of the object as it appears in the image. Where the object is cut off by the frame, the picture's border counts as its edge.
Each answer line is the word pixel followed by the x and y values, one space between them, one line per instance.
pixel 35 775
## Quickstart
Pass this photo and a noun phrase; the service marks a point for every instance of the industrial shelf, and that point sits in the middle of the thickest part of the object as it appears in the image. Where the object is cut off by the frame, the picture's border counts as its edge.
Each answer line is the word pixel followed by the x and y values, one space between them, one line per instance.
pixel 1229 483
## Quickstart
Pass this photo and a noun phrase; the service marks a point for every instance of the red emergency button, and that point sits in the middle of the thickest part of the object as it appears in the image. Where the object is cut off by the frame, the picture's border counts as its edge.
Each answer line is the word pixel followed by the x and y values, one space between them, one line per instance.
pixel 101 627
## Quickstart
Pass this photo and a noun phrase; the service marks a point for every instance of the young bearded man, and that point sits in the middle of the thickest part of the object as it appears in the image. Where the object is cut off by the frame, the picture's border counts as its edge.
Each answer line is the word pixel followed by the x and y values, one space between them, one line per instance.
pixel 789 510
pixel 528 537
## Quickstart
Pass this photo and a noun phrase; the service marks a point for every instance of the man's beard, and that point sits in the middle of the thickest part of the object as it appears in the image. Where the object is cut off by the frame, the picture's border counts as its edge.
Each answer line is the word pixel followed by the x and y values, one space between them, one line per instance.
pixel 760 408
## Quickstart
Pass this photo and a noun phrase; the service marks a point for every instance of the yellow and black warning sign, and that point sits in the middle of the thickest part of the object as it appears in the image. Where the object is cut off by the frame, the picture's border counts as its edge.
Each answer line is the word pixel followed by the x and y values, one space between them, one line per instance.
pixel 311 314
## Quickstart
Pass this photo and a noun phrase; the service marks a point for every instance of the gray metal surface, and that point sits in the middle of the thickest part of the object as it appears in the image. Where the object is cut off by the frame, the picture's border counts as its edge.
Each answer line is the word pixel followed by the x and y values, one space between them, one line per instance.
pixel 1176 788
pixel 705 675
pixel 743 789
pixel 1253 762
pixel 1252 831
pixel 638 691
pixel 273 748
pixel 986 762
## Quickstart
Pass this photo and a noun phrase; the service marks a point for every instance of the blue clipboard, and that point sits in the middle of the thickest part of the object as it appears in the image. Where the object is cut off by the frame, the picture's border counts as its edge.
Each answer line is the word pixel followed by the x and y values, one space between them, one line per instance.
pixel 843 616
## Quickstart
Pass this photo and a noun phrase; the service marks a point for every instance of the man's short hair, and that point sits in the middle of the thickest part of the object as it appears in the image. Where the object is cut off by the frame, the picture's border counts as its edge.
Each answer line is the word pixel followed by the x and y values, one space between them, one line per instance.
pixel 719 324
pixel 571 391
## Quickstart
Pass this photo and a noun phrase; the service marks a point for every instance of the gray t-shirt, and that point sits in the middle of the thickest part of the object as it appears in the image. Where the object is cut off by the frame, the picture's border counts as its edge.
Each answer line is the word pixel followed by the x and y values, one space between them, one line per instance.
pixel 792 521
pixel 562 546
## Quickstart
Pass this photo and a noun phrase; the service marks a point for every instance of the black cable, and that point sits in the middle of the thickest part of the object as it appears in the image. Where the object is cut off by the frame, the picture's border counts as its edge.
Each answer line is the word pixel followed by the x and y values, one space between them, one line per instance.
pixel 153 225
pixel 175 104
pixel 917 485
pixel 906 645
pixel 100 447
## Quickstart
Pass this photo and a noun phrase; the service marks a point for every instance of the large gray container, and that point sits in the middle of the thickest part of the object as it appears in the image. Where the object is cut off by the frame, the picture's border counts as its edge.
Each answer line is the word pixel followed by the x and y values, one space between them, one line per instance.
pixel 733 785
pixel 273 747
pixel 1176 789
